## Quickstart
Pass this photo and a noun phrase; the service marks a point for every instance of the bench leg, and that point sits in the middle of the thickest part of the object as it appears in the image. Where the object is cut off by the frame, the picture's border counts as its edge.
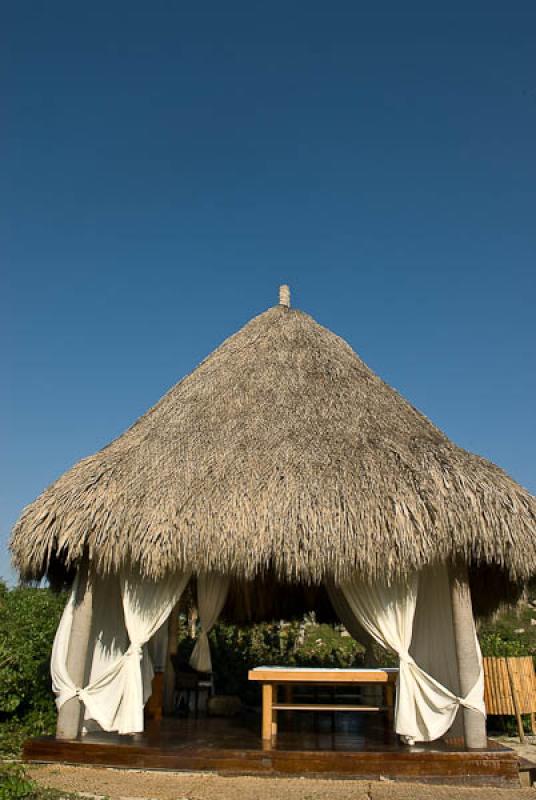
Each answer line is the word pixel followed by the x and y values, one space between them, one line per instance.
pixel 390 703
pixel 274 712
pixel 268 712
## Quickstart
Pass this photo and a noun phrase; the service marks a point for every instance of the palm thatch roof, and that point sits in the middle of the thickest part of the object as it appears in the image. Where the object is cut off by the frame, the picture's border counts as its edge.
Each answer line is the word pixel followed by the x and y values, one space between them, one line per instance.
pixel 282 451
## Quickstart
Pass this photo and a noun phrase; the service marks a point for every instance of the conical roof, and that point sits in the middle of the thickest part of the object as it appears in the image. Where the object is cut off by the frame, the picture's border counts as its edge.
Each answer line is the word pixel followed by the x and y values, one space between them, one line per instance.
pixel 281 451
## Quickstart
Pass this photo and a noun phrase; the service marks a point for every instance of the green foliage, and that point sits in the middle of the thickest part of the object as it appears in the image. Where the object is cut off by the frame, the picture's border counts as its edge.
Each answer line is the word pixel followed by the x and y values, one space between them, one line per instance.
pixel 16 729
pixel 28 621
pixel 510 633
pixel 493 644
pixel 15 785
pixel 236 649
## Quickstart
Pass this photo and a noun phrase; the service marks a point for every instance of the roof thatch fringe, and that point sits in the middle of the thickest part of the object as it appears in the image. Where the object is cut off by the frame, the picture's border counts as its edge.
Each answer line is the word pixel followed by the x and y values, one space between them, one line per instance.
pixel 281 451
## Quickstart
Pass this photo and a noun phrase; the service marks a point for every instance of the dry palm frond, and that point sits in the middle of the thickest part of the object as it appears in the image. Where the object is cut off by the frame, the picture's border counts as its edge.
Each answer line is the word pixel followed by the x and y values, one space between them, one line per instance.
pixel 281 451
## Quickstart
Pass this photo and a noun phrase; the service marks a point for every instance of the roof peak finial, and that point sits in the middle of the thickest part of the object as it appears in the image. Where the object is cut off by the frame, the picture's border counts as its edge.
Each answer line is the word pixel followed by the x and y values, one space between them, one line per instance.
pixel 284 295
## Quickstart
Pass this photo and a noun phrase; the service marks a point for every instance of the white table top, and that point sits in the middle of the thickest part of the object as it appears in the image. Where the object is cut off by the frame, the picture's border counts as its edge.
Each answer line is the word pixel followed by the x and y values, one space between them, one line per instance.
pixel 327 669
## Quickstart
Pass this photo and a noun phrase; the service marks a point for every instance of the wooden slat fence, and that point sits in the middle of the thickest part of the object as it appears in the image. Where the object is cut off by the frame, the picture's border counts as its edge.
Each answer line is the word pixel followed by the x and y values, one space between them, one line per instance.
pixel 510 687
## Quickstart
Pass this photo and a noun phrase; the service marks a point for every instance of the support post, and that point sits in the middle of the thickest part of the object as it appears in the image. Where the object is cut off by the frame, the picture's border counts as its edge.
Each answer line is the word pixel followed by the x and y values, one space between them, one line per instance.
pixel 70 714
pixel 169 677
pixel 474 723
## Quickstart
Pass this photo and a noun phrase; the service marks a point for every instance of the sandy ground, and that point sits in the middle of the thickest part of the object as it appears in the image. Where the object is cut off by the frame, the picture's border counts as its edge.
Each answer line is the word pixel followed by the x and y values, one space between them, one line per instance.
pixel 135 785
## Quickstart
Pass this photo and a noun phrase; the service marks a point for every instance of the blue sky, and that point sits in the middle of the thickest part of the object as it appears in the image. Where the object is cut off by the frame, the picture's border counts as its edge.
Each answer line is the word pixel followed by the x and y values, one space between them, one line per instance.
pixel 163 170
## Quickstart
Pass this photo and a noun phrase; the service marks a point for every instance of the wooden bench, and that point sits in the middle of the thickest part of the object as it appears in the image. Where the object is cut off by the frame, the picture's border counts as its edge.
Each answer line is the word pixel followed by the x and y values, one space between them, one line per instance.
pixel 272 677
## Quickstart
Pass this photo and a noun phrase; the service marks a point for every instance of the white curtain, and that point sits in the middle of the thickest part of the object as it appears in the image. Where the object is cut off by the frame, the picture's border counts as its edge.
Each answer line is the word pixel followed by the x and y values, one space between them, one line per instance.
pixel 109 638
pixel 350 622
pixel 425 708
pixel 117 691
pixel 433 645
pixel 212 590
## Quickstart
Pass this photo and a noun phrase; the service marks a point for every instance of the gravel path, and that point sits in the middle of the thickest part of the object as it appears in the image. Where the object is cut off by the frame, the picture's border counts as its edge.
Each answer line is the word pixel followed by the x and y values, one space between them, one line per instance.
pixel 144 785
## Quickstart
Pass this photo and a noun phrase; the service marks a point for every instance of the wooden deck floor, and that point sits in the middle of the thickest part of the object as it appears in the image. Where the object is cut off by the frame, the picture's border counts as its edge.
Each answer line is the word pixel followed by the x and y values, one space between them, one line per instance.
pixel 359 748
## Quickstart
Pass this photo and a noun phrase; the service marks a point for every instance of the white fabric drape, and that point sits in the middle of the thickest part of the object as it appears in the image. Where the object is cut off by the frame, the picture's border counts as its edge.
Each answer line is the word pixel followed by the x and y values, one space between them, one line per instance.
pixel 350 622
pixel 117 691
pixel 212 590
pixel 425 708
pixel 109 638
pixel 433 645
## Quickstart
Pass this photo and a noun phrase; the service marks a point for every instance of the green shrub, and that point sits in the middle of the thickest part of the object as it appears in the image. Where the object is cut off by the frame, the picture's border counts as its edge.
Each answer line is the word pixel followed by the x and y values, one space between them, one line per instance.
pixel 15 785
pixel 238 648
pixel 494 644
pixel 28 621
pixel 16 729
pixel 511 632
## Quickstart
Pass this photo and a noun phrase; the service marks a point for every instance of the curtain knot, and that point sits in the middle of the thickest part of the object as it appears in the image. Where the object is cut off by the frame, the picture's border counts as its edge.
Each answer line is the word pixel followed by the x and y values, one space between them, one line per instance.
pixel 135 650
pixel 465 702
pixel 405 657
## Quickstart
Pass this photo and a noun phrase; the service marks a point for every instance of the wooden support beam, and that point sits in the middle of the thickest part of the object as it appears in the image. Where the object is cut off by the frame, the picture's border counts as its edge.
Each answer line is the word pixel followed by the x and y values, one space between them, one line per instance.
pixel 474 723
pixel 169 677
pixel 70 714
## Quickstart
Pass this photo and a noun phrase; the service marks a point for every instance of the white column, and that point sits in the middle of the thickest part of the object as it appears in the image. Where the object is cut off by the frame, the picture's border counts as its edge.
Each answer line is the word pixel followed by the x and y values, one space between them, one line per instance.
pixel 70 714
pixel 474 723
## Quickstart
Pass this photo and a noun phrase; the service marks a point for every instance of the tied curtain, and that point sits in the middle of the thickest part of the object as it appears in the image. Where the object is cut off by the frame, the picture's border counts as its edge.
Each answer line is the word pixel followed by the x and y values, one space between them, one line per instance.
pixel 212 591
pixel 121 673
pixel 413 619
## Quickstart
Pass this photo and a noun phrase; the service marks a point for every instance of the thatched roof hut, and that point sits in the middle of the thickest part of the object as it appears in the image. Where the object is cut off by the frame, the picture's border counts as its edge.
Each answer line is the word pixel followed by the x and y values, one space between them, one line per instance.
pixel 282 451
